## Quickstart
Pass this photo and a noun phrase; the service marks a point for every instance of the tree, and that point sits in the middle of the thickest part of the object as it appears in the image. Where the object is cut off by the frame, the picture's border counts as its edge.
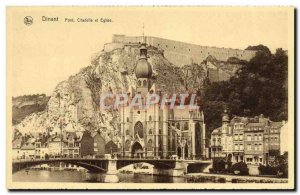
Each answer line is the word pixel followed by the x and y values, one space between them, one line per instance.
pixel 258 48
pixel 219 165
pixel 248 92
pixel 241 168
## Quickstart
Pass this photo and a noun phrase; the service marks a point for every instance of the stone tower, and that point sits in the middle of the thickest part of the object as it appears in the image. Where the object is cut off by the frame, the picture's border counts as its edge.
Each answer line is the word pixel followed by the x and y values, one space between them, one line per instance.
pixel 143 72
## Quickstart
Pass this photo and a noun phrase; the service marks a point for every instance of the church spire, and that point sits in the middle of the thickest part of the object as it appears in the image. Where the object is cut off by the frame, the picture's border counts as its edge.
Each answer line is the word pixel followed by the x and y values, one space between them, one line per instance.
pixel 143 35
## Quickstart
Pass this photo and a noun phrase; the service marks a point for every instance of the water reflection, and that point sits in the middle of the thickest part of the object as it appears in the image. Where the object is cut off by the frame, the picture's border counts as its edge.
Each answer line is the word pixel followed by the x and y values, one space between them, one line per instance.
pixel 83 176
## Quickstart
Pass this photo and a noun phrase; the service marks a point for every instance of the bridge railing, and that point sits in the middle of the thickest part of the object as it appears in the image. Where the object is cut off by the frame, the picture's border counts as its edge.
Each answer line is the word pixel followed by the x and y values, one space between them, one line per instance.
pixel 106 157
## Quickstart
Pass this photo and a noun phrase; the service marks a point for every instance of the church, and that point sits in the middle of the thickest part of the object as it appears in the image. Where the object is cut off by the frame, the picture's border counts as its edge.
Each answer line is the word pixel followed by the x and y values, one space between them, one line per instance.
pixel 156 132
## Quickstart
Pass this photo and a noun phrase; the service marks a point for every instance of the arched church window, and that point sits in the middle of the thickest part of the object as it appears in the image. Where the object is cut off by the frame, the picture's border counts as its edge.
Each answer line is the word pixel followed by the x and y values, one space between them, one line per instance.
pixel 186 126
pixel 127 145
pixel 127 131
pixel 150 132
pixel 150 118
pixel 139 83
pixel 150 144
pixel 138 129
pixel 127 119
pixel 144 83
pixel 177 126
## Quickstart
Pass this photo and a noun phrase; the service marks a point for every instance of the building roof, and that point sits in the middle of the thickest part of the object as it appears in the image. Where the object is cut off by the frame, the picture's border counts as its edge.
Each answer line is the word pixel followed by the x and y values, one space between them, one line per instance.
pixel 17 143
pixel 217 131
pixel 70 134
pixel 31 140
pixel 256 125
pixel 55 139
pixel 94 133
pixel 238 119
pixel 28 146
pixel 276 124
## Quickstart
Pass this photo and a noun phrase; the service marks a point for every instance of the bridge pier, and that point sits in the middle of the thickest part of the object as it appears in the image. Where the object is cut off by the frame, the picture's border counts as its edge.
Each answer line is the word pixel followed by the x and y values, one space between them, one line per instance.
pixel 111 174
pixel 177 171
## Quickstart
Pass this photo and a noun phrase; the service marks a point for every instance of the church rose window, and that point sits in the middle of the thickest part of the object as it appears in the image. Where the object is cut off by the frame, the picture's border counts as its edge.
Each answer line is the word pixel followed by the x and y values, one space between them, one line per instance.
pixel 138 129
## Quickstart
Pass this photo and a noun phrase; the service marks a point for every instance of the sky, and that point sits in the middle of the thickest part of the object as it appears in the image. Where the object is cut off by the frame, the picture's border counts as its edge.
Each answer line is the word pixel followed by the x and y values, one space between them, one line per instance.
pixel 41 55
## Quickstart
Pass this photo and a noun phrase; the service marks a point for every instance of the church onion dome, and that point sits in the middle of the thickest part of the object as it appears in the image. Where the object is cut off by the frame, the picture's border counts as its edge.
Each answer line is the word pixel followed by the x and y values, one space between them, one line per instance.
pixel 143 68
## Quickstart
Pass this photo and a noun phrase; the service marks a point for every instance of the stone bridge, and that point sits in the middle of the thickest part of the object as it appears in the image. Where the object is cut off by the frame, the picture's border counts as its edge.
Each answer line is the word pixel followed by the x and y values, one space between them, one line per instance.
pixel 110 166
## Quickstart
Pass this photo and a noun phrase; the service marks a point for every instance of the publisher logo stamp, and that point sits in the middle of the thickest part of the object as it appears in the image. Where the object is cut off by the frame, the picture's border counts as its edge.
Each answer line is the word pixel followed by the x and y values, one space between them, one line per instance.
pixel 28 20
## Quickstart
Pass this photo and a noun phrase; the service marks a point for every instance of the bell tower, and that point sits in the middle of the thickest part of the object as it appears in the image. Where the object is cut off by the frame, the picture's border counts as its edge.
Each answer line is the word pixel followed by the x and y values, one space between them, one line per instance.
pixel 143 72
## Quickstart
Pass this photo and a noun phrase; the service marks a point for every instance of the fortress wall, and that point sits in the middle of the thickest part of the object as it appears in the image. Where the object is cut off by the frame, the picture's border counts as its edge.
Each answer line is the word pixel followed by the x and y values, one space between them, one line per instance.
pixel 174 50
pixel 177 58
pixel 126 39
pixel 108 47
pixel 193 50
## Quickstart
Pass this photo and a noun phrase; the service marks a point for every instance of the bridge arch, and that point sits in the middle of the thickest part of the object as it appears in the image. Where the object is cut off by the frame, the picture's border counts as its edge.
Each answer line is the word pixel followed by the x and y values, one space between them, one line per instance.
pixel 94 166
pixel 160 164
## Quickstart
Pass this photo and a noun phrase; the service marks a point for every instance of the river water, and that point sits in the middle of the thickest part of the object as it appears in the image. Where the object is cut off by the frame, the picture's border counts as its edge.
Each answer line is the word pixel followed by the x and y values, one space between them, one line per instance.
pixel 82 176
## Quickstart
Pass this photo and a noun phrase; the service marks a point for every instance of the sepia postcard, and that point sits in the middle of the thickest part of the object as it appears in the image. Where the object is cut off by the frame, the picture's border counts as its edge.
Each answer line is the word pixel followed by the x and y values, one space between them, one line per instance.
pixel 160 97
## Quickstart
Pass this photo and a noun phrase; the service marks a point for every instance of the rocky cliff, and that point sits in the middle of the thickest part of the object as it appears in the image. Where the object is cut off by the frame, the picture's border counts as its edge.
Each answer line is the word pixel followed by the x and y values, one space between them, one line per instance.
pixel 74 104
pixel 23 106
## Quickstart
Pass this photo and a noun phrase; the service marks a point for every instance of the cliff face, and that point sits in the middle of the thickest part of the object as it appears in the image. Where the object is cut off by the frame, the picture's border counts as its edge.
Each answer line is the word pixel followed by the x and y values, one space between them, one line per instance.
pixel 74 104
pixel 23 106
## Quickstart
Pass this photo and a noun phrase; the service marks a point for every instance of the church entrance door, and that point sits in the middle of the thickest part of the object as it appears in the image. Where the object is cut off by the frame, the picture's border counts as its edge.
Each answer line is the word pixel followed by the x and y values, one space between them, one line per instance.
pixel 137 150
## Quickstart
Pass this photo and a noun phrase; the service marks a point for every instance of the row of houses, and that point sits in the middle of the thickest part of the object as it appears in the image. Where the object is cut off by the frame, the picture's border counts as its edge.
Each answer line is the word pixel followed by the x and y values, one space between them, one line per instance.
pixel 67 145
pixel 254 141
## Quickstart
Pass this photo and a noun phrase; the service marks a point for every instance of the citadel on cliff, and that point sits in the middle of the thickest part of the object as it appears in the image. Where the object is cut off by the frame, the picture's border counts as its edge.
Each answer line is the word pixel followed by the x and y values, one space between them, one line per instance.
pixel 181 54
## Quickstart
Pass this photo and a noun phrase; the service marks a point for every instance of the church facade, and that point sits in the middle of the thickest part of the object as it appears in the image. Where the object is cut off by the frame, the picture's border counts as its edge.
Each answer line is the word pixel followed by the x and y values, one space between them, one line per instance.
pixel 156 131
